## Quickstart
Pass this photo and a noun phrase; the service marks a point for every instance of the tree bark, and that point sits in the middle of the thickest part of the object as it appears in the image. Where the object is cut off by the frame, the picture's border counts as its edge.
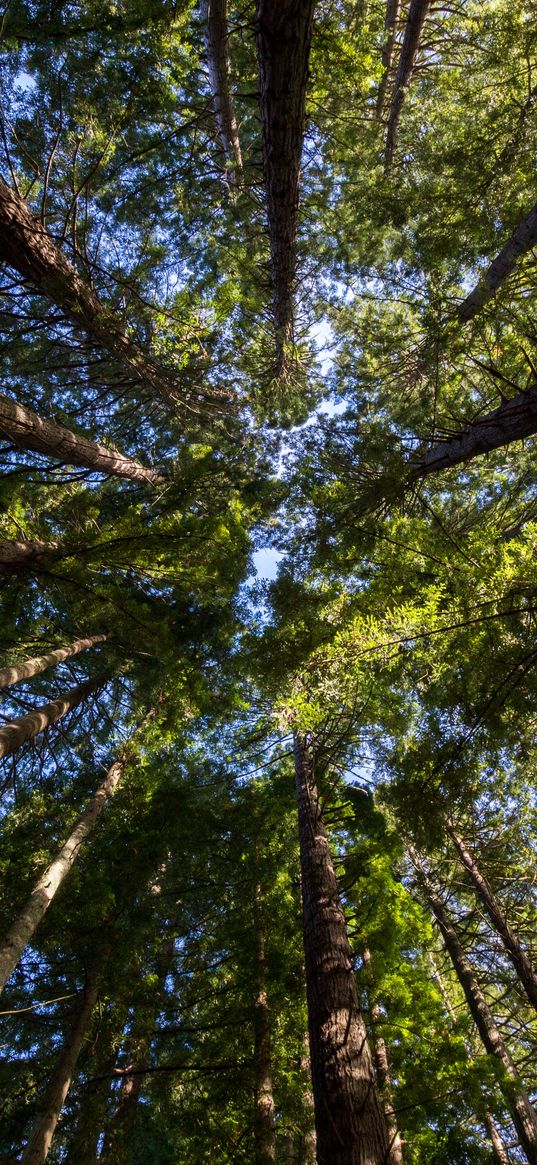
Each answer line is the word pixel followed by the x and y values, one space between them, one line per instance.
pixel 264 1131
pixel 520 242
pixel 214 16
pixel 395 1154
pixel 350 1123
pixel 393 8
pixel 40 1140
pixel 9 676
pixel 47 886
pixel 15 732
pixel 500 1152
pixel 284 29
pixel 17 555
pixel 522 1113
pixel 521 963
pixel 31 431
pixel 27 247
pixel 512 421
pixel 407 60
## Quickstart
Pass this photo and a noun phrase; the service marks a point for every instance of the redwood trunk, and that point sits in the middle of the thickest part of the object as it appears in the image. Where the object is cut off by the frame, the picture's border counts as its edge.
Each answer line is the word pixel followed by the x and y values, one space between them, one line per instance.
pixel 214 16
pixel 522 1113
pixel 382 1065
pixel 18 555
pixel 264 1131
pixel 27 247
pixel 393 8
pixel 284 29
pixel 413 30
pixel 520 242
pixel 47 886
pixel 350 1123
pixel 38 1146
pixel 512 421
pixel 500 1152
pixel 32 667
pixel 514 950
pixel 31 431
pixel 15 732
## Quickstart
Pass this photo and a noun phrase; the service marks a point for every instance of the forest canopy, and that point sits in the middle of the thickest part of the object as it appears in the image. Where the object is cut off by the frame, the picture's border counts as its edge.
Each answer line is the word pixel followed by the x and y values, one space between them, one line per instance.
pixel 268 520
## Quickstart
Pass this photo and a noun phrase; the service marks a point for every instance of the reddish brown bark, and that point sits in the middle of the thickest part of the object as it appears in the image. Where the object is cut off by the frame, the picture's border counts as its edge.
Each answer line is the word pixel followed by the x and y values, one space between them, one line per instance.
pixel 350 1123
pixel 522 1112
pixel 513 947
pixel 395 1154
pixel 393 8
pixel 284 29
pixel 30 431
pixel 214 16
pixel 512 421
pixel 27 247
pixel 414 27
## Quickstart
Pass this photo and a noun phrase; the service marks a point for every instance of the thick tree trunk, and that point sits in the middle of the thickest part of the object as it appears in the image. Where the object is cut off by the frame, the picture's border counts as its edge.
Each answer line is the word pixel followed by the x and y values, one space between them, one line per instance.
pixel 47 886
pixel 522 1113
pixel 27 247
pixel 500 1152
pixel 32 667
pixel 284 29
pixel 407 60
pixel 15 732
pixel 512 421
pixel 30 431
pixel 350 1123
pixel 214 16
pixel 521 963
pixel 18 555
pixel 38 1146
pixel 395 1155
pixel 393 8
pixel 264 1131
pixel 520 242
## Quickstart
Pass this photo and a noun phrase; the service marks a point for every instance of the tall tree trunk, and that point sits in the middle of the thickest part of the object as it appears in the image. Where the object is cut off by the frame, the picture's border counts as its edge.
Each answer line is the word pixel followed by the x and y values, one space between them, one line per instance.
pixel 84 1142
pixel 522 1113
pixel 33 666
pixel 500 1152
pixel 512 421
pixel 27 247
pixel 47 886
pixel 393 8
pixel 40 1140
pixel 31 431
pixel 118 1140
pixel 522 964
pixel 264 1131
pixel 395 1155
pixel 18 555
pixel 520 242
pixel 350 1123
pixel 284 29
pixel 15 732
pixel 214 16
pixel 407 60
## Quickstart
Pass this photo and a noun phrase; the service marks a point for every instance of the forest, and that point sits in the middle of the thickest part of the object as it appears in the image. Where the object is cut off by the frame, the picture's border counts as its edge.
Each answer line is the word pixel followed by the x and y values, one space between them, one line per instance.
pixel 268 519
